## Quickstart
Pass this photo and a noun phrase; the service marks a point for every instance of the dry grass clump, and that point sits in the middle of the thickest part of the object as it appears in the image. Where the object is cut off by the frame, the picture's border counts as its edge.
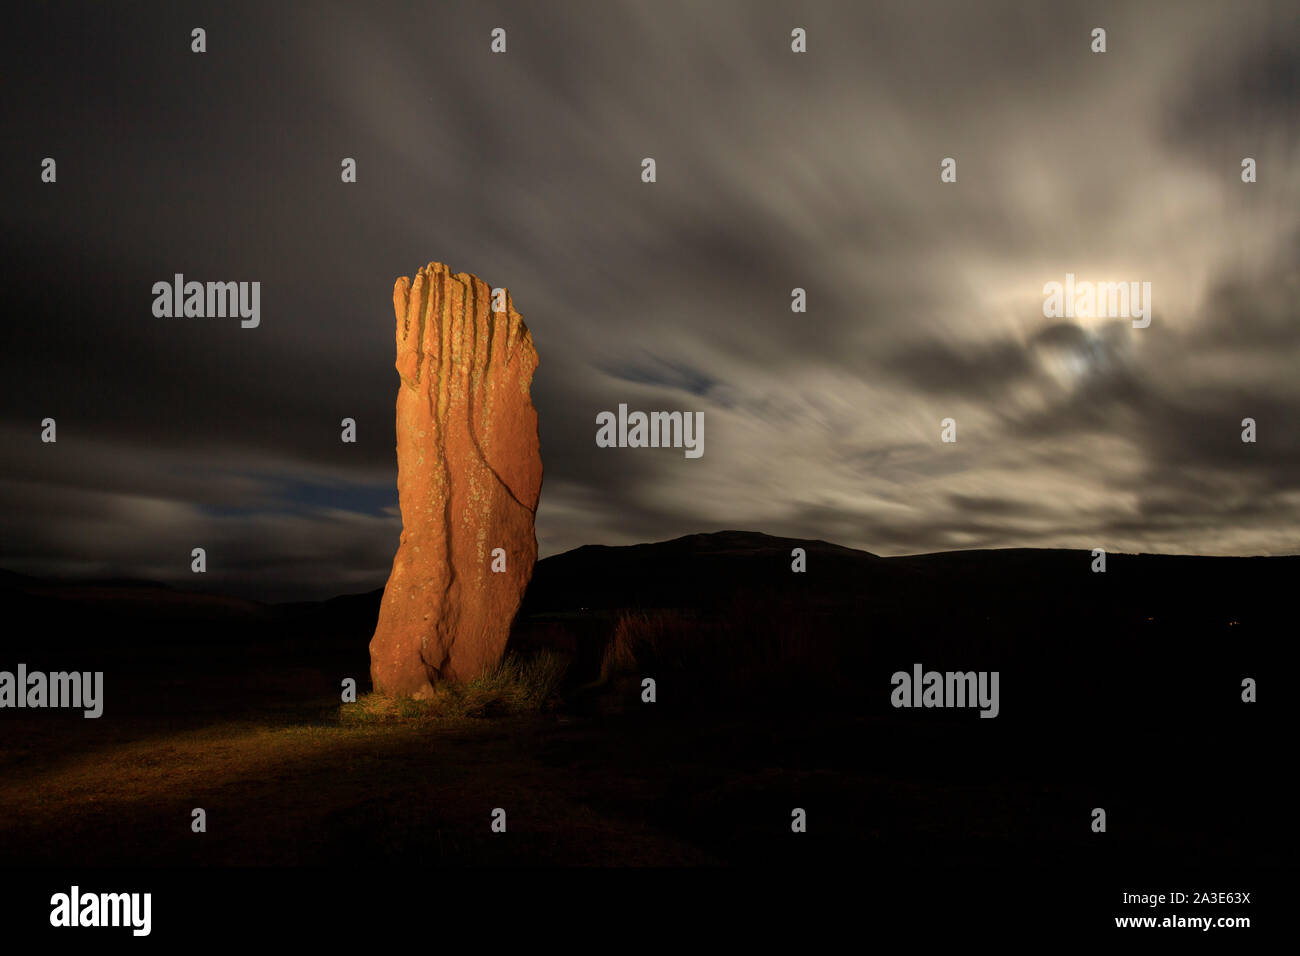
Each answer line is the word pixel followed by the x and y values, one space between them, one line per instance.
pixel 517 685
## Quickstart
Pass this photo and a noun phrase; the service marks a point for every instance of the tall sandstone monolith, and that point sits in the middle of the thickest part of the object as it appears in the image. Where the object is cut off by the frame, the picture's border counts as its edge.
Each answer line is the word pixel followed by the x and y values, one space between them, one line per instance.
pixel 469 473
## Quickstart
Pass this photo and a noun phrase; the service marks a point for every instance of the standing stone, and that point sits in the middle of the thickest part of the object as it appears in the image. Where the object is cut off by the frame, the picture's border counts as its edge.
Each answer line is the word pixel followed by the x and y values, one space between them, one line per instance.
pixel 469 473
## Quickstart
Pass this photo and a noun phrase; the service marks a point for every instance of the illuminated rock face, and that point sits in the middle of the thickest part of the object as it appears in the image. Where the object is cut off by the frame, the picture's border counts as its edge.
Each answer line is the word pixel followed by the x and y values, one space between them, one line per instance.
pixel 469 473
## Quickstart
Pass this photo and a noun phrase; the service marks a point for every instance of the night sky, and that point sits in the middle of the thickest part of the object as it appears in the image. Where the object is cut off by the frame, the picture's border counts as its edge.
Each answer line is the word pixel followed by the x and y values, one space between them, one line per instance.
pixel 775 170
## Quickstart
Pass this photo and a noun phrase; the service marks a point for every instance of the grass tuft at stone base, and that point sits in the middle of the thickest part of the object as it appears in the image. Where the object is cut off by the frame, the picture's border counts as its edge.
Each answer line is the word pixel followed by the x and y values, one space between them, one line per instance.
pixel 517 685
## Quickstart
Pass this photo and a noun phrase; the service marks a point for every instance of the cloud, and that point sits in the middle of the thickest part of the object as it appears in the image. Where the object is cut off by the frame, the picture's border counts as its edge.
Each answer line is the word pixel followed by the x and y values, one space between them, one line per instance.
pixel 775 171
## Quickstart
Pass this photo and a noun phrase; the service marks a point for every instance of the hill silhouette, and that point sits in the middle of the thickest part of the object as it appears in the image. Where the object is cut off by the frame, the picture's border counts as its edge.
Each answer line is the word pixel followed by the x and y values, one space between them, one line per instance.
pixel 848 621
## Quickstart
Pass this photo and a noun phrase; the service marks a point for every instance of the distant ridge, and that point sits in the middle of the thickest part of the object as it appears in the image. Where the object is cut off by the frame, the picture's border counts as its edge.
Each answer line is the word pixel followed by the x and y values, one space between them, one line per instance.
pixel 698 570
pixel 720 542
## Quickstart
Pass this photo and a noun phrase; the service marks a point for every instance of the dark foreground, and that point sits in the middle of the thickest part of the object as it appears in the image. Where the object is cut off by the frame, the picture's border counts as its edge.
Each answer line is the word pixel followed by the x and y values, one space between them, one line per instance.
pixel 1127 699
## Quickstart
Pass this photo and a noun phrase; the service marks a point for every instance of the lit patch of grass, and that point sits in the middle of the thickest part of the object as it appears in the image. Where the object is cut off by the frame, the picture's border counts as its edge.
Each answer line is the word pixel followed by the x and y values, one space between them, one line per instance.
pixel 517 685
